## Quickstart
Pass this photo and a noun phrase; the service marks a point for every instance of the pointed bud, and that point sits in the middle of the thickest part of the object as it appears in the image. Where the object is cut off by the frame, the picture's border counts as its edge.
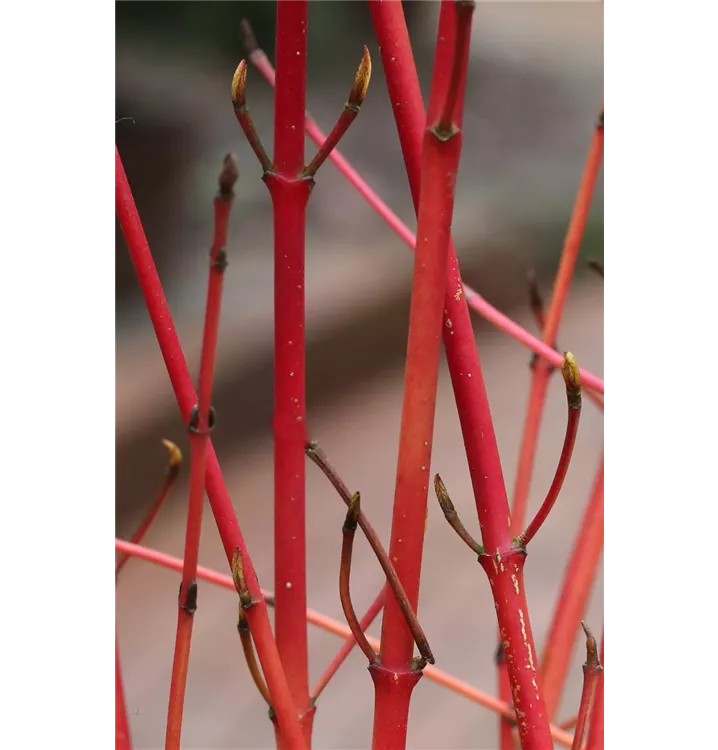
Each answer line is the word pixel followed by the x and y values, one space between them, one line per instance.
pixel 228 176
pixel 361 81
pixel 352 517
pixel 175 458
pixel 572 379
pixel 239 80
pixel 442 495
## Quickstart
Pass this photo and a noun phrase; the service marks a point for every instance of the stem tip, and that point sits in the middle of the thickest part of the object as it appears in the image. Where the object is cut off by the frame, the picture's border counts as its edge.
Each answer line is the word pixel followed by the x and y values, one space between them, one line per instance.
pixel 239 80
pixel 572 379
pixel 352 518
pixel 442 495
pixel 175 457
pixel 228 176
pixel 248 39
pixel 361 81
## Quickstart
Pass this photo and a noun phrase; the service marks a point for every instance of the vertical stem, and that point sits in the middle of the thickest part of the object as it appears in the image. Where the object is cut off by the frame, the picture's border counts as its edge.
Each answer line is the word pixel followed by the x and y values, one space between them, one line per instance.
pixel 580 572
pixel 395 677
pixel 200 424
pixel 290 192
pixel 595 735
pixel 221 504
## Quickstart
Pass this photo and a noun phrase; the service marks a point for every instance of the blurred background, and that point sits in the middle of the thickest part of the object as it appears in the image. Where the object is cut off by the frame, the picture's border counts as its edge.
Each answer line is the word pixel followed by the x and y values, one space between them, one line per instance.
pixel 534 91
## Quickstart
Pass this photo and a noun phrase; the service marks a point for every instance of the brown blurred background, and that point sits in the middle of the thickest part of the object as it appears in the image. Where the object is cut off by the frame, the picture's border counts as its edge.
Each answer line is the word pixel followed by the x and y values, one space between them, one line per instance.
pixel 535 88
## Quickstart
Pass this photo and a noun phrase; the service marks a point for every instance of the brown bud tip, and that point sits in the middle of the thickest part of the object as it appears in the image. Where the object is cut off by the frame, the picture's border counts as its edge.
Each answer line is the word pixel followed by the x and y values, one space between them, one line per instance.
pixel 175 457
pixel 572 378
pixel 238 85
pixel 442 495
pixel 248 39
pixel 228 176
pixel 591 648
pixel 361 81
pixel 238 572
pixel 352 517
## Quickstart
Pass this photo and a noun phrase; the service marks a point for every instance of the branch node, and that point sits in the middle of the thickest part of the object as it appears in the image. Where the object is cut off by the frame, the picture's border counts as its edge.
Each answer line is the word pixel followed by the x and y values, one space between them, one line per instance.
pixel 189 603
pixel 193 422
pixel 240 582
pixel 220 262
pixel 352 518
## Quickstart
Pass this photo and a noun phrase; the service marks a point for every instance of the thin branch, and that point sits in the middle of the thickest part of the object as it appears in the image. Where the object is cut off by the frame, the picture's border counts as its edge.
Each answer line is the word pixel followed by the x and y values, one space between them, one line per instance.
pixel 452 516
pixel 348 532
pixel 591 672
pixel 537 308
pixel 199 427
pixel 595 734
pixel 317 455
pixel 347 116
pixel 474 300
pixel 340 629
pixel 174 462
pixel 349 643
pixel 573 597
pixel 241 111
pixel 572 379
pixel 249 656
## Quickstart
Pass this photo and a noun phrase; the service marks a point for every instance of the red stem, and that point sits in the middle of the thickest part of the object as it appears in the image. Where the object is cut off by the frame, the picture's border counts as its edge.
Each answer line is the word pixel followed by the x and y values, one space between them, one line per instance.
pixel 340 629
pixel 290 192
pixel 473 299
pixel 470 395
pixel 592 670
pixel 571 605
pixel 220 502
pixel 374 608
pixel 394 677
pixel 122 726
pixel 199 429
pixel 595 735
pixel 561 471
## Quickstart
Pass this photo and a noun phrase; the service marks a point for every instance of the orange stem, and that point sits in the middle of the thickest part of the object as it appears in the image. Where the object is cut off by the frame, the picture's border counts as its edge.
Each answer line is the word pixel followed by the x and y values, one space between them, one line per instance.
pixel 571 605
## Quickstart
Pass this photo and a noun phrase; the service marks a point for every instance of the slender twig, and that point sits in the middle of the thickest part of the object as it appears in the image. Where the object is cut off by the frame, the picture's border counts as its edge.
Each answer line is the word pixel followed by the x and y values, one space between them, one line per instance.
pixel 452 516
pixel 200 424
pixel 595 734
pixel 348 532
pixel 537 308
pixel 317 455
pixel 248 649
pixel 219 499
pixel 572 379
pixel 241 111
pixel 346 118
pixel 245 603
pixel 473 299
pixel 591 672
pixel 349 643
pixel 340 629
pixel 573 597
pixel 173 467
pixel 122 725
